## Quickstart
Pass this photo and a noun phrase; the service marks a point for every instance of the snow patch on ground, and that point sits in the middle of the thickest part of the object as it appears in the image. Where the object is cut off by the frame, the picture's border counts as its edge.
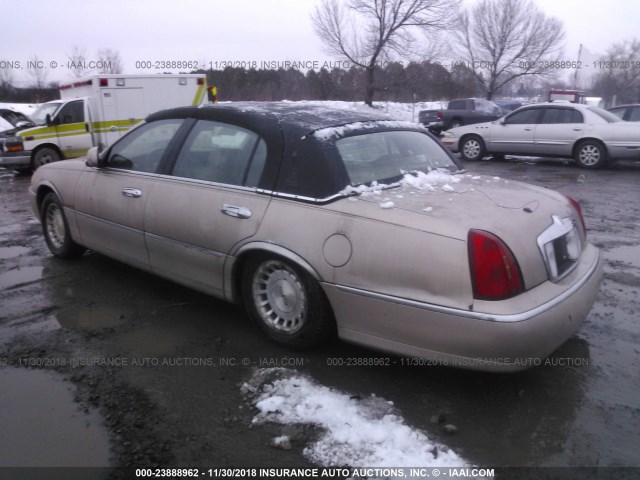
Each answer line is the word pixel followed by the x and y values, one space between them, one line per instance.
pixel 358 432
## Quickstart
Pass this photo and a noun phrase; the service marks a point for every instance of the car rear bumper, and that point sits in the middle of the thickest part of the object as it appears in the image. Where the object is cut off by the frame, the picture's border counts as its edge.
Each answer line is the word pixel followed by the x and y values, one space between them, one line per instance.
pixel 15 160
pixel 509 341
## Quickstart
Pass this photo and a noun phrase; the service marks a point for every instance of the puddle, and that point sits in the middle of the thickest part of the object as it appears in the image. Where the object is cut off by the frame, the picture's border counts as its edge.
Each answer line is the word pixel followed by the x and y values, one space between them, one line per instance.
pixel 20 276
pixel 95 317
pixel 12 252
pixel 42 426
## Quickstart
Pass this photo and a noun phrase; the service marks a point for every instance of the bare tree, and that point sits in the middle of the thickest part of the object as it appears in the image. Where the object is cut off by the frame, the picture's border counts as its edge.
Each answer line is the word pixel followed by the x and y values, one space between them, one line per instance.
pixel 37 71
pixel 78 61
pixel 501 40
pixel 618 77
pixel 368 33
pixel 109 61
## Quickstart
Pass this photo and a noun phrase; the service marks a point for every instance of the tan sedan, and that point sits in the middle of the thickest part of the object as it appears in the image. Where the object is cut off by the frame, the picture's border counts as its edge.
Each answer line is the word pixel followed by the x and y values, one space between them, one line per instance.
pixel 324 221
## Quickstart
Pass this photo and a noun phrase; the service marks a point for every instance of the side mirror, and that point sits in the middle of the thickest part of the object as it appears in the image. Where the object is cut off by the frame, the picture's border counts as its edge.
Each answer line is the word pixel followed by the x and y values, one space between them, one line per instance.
pixel 92 158
pixel 48 120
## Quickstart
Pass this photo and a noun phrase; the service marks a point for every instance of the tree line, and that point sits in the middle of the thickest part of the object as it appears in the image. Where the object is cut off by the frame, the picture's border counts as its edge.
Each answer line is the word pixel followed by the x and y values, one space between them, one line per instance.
pixel 393 82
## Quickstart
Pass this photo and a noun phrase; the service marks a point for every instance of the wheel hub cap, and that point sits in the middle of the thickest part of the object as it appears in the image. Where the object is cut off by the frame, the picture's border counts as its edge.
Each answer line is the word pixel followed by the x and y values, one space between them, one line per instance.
pixel 279 297
pixel 55 226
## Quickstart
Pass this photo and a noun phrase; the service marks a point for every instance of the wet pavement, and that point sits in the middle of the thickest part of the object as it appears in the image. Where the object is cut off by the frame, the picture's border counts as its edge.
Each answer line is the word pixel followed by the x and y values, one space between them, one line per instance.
pixel 129 370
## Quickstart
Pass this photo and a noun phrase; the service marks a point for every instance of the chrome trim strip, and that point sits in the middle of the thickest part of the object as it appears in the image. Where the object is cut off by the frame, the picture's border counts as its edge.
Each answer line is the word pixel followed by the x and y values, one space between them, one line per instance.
pixel 163 176
pixel 278 250
pixel 506 318
pixel 302 197
pixel 113 224
pixel 190 246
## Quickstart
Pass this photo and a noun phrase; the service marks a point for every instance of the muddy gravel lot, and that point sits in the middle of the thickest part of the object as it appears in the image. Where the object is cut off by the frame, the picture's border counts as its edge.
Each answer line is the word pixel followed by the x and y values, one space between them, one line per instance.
pixel 102 365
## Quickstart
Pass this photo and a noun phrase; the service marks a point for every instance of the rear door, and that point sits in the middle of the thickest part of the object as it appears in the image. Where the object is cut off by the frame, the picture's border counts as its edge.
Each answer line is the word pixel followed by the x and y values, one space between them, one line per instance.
pixel 111 201
pixel 558 130
pixel 209 203
pixel 122 108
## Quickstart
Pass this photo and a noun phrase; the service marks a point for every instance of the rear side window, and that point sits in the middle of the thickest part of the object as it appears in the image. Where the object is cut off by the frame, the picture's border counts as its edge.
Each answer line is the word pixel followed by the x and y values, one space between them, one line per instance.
pixel 522 117
pixel 619 112
pixel 635 114
pixel 142 149
pixel 561 115
pixel 222 153
pixel 457 105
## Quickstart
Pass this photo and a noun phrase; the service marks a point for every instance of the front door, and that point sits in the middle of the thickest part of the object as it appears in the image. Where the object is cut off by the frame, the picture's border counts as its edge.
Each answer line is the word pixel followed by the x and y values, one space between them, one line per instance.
pixel 515 134
pixel 72 130
pixel 111 200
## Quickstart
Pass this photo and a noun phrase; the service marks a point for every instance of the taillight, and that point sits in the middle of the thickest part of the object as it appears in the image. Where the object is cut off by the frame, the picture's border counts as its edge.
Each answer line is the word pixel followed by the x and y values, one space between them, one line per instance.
pixel 439 114
pixel 495 273
pixel 576 207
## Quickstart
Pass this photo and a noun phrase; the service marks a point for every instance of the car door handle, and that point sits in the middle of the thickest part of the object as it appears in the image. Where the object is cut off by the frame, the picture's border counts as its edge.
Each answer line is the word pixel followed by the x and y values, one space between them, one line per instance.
pixel 577 129
pixel 132 192
pixel 235 211
pixel 528 129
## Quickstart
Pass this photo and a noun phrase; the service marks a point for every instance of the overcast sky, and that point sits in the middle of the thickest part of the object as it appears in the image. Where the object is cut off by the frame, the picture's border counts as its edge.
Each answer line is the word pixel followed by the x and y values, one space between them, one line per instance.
pixel 216 31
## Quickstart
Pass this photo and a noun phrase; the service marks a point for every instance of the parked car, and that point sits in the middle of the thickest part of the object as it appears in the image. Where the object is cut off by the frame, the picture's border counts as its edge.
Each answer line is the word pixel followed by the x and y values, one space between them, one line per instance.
pixel 464 111
pixel 590 135
pixel 321 221
pixel 629 113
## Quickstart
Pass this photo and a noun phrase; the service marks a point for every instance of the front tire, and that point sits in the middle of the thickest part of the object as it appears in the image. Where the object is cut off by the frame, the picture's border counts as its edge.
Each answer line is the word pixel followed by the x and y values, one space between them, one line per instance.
pixel 591 154
pixel 43 156
pixel 56 229
pixel 472 148
pixel 286 303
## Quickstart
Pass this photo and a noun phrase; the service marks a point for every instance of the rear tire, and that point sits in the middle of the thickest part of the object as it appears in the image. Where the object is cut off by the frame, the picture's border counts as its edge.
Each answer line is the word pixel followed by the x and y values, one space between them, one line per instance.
pixel 286 303
pixel 591 154
pixel 472 148
pixel 56 229
pixel 43 156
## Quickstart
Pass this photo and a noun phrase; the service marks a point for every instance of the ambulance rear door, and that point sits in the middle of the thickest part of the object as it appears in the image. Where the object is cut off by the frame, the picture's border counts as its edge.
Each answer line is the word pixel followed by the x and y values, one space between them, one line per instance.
pixel 122 108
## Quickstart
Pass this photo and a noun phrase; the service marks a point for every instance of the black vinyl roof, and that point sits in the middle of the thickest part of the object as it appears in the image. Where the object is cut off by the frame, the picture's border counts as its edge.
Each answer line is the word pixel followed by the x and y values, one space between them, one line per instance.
pixel 299 164
pixel 291 115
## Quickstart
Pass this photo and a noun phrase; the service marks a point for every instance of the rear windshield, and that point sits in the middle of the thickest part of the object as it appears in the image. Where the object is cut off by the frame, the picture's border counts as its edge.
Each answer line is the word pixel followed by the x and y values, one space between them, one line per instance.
pixel 387 156
pixel 607 116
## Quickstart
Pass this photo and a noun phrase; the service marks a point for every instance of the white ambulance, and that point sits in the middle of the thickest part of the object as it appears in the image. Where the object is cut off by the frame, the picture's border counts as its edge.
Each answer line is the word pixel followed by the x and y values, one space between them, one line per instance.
pixel 96 111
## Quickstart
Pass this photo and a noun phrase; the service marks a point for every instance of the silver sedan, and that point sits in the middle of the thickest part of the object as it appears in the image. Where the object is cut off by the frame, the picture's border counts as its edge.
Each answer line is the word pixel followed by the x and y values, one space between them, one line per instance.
pixel 590 135
pixel 323 222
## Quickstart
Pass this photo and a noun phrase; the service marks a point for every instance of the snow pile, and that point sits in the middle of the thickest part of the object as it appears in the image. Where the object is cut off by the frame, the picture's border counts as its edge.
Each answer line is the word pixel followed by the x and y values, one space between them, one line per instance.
pixel 357 432
pixel 429 181
pixel 418 180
